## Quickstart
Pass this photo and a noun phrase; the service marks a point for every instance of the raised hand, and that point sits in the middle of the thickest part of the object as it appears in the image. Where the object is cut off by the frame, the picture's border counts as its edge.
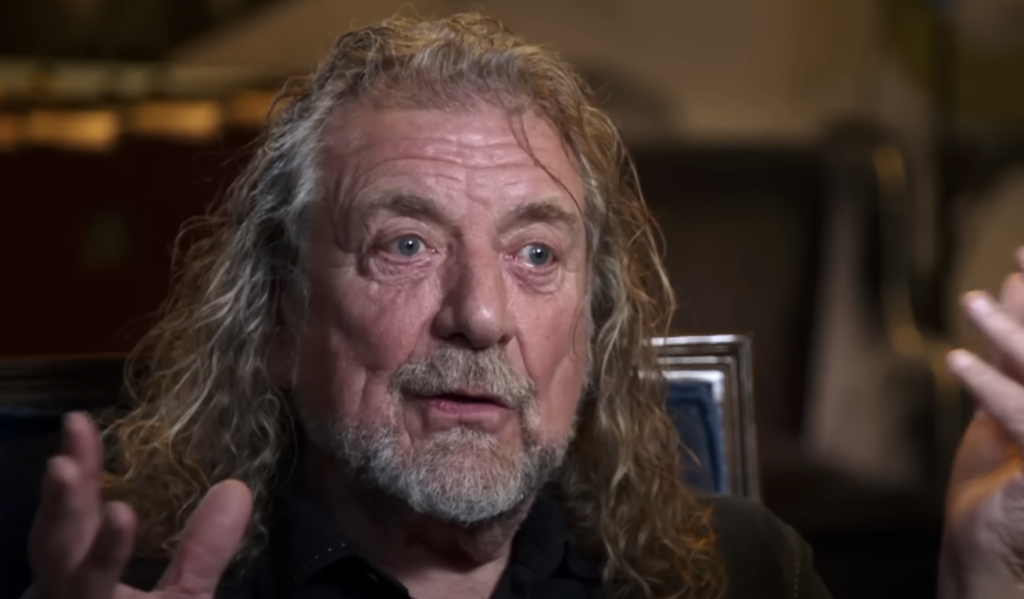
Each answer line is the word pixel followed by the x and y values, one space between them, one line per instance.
pixel 79 547
pixel 983 553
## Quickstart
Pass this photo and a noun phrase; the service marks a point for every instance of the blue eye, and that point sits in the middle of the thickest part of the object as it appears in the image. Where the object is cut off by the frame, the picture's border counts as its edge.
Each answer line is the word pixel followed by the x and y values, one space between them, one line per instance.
pixel 409 245
pixel 536 254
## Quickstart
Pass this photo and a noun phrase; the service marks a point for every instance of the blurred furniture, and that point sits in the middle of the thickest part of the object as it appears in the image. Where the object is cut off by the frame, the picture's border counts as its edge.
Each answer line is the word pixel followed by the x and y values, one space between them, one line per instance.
pixel 711 400
pixel 60 383
pixel 112 29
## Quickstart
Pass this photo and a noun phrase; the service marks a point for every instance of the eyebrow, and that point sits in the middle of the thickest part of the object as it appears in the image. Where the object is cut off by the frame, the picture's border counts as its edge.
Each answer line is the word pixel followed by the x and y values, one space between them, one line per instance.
pixel 403 204
pixel 418 207
pixel 543 211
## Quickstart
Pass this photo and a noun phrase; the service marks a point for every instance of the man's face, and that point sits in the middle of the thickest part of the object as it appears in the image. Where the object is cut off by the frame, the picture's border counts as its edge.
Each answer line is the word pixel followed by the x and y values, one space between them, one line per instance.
pixel 445 347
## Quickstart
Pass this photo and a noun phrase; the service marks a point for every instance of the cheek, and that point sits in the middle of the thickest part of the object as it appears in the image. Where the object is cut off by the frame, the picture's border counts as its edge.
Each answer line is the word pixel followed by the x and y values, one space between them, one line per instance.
pixel 357 334
pixel 553 342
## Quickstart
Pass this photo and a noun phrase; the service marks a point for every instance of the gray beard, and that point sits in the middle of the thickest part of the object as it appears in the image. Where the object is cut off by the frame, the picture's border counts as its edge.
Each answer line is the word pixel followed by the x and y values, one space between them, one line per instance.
pixel 462 475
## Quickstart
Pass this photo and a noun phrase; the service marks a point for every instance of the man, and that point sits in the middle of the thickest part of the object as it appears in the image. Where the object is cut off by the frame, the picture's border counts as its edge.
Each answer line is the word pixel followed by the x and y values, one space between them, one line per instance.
pixel 409 359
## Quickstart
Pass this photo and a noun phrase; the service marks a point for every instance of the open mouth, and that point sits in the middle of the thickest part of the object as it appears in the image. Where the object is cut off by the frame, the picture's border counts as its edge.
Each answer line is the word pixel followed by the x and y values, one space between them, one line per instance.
pixel 468 399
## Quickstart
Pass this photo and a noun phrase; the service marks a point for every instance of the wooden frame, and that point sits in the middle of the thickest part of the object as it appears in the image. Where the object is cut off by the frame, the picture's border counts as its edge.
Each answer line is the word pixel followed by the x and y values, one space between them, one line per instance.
pixel 725 361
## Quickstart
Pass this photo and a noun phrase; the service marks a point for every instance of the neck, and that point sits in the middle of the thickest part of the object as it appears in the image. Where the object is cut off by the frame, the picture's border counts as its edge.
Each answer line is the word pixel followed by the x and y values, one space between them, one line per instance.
pixel 431 558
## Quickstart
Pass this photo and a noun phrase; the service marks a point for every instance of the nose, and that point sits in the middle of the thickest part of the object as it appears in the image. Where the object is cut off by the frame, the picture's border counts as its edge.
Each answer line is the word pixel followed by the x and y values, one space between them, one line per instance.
pixel 475 310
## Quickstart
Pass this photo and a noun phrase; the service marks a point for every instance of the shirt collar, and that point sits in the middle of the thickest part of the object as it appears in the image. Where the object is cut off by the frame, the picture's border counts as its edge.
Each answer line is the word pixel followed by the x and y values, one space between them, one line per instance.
pixel 544 545
pixel 540 543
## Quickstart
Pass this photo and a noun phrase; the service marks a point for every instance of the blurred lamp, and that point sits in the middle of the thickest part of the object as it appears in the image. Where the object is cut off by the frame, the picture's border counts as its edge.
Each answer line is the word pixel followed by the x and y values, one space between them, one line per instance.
pixel 251 109
pixel 177 120
pixel 11 131
pixel 80 130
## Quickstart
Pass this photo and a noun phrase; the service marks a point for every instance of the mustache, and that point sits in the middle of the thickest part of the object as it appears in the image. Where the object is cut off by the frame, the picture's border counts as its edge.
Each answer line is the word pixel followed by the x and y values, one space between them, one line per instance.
pixel 449 370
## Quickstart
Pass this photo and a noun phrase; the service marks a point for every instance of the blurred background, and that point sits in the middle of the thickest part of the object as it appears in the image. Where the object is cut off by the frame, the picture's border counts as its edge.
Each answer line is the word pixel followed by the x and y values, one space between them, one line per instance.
pixel 830 177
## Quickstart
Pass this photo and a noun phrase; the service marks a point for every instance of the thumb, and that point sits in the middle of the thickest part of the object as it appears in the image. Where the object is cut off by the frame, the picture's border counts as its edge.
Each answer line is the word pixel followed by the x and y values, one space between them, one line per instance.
pixel 210 541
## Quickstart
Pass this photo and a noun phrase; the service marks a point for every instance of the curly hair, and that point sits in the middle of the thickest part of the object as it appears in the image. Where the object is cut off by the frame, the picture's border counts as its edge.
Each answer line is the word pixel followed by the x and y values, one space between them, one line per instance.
pixel 204 407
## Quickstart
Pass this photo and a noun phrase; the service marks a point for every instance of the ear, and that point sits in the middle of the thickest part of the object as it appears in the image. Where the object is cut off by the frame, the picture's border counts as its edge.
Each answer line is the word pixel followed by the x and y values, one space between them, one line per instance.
pixel 282 347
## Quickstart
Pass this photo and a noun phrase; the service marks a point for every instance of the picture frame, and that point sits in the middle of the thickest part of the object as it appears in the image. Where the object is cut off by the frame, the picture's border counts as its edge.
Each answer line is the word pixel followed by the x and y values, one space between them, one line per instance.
pixel 725 364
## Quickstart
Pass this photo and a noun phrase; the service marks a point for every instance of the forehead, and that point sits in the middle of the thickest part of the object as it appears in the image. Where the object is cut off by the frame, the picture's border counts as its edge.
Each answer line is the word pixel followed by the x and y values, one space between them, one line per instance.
pixel 484 151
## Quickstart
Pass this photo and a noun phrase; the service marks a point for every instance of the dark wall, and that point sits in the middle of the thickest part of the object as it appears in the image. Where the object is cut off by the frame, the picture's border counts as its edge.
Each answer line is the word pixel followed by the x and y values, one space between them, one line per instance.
pixel 86 244
pixel 742 229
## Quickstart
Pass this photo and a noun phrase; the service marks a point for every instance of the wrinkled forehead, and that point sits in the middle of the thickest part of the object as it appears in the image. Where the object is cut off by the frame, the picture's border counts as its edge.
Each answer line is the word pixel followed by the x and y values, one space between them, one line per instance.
pixel 521 152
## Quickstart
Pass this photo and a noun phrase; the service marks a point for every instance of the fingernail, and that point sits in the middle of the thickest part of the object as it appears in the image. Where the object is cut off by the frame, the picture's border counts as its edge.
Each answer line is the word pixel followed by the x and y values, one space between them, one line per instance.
pixel 979 303
pixel 959 359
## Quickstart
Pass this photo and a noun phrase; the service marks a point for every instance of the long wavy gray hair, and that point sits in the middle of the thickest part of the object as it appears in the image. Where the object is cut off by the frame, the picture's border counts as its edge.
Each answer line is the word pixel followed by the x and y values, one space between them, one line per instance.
pixel 205 409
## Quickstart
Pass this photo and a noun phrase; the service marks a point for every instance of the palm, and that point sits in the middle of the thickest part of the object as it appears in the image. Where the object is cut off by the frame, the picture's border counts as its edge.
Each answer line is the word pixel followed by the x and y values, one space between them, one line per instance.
pixel 986 482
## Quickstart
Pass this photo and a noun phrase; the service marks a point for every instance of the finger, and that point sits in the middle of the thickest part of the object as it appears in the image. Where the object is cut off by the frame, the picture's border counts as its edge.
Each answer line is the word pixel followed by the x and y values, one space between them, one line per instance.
pixel 81 442
pixel 210 540
pixel 70 513
pixel 102 568
pixel 1005 335
pixel 1011 298
pixel 65 524
pixel 995 392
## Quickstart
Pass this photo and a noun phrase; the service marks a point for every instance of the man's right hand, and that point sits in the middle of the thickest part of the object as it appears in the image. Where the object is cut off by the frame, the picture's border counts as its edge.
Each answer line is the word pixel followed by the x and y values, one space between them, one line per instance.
pixel 79 547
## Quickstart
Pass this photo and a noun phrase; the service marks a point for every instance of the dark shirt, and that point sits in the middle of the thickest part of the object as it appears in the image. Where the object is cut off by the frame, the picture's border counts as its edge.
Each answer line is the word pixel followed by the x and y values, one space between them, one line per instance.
pixel 309 558
pixel 314 560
